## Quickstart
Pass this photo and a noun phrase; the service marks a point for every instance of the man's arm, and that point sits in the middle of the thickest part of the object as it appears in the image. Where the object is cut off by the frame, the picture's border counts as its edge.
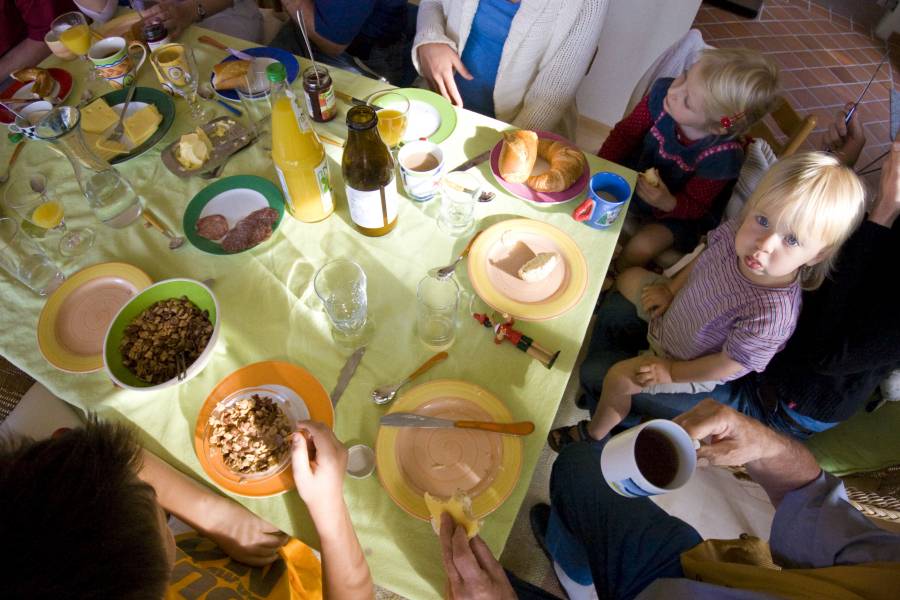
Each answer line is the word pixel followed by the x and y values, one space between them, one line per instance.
pixel 26 53
pixel 319 462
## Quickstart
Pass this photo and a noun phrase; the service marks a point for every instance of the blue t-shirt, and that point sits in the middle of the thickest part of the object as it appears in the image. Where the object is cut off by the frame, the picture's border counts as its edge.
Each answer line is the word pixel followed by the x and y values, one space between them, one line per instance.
pixel 482 53
pixel 342 20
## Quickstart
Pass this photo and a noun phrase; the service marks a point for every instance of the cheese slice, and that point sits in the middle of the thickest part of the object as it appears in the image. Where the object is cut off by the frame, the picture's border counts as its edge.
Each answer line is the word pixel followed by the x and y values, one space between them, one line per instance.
pixel 97 117
pixel 459 507
pixel 539 267
pixel 142 124
pixel 107 151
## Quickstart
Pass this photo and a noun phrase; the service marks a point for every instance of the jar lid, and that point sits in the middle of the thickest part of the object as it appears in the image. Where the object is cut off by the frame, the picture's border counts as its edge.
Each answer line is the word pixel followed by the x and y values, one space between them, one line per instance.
pixel 276 72
pixel 361 117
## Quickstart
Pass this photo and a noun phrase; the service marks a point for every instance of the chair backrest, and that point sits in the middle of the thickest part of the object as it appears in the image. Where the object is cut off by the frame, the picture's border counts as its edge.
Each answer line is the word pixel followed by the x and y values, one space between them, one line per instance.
pixel 794 129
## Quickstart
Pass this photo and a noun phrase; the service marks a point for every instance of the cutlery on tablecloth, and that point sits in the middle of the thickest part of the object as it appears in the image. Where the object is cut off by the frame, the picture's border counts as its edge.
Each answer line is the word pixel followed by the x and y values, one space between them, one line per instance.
pixel 347 98
pixel 205 91
pixel 446 272
pixel 405 419
pixel 175 242
pixel 346 374
pixel 472 162
pixel 387 393
pixel 217 44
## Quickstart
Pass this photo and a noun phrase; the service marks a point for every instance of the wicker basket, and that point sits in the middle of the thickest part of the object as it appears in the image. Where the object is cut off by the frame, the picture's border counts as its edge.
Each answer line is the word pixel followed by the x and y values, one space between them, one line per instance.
pixel 13 385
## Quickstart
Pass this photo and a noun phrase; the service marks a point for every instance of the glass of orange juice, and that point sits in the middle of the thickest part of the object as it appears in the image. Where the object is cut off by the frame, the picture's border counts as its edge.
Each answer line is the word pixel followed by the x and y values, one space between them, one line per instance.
pixel 28 197
pixel 73 32
pixel 393 110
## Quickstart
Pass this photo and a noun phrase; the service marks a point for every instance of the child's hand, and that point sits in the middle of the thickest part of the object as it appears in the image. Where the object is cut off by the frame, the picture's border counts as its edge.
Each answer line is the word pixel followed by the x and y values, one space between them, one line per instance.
pixel 652 370
pixel 319 461
pixel 657 196
pixel 656 299
pixel 241 534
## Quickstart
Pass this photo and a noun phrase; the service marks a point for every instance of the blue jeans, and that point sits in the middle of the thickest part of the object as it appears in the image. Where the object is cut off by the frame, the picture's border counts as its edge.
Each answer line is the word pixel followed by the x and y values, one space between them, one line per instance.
pixel 620 334
pixel 620 544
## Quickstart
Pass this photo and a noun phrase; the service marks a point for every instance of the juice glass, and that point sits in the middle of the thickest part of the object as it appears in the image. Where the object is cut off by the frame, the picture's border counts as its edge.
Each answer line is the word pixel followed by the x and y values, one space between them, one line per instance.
pixel 73 32
pixel 22 258
pixel 393 110
pixel 29 199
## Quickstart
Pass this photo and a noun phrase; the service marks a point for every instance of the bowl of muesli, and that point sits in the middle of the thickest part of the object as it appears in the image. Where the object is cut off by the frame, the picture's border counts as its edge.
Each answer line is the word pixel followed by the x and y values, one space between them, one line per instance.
pixel 248 433
pixel 163 336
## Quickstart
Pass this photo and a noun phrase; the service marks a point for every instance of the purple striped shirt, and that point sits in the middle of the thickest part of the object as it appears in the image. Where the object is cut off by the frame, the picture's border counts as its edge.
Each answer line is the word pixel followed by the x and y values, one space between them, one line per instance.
pixel 720 309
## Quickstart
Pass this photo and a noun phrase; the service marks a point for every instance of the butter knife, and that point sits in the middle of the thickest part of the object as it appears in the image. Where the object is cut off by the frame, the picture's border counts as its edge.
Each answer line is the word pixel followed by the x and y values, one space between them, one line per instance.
pixel 346 374
pixel 405 419
pixel 473 161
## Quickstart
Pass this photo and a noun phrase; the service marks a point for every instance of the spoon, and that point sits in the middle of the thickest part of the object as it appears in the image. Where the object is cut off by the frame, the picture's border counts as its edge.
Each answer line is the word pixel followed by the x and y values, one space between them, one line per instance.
pixel 175 242
pixel 447 272
pixel 205 92
pixel 386 393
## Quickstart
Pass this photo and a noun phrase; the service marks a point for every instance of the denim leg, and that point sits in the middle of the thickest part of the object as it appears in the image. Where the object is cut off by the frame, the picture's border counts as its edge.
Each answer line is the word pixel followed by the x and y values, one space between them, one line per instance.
pixel 627 542
pixel 526 591
pixel 619 334
pixel 667 406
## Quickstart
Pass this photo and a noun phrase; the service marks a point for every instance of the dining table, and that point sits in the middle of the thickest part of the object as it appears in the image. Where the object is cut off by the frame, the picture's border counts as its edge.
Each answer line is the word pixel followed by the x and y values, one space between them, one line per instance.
pixel 270 311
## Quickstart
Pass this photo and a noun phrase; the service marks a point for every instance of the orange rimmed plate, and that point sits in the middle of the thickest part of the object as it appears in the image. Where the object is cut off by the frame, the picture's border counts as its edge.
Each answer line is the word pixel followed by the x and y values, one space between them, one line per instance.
pixel 283 378
pixel 73 322
pixel 503 248
pixel 412 460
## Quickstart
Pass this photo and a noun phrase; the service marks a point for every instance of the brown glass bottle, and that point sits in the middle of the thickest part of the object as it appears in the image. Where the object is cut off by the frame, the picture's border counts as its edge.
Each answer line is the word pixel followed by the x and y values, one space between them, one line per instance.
pixel 368 170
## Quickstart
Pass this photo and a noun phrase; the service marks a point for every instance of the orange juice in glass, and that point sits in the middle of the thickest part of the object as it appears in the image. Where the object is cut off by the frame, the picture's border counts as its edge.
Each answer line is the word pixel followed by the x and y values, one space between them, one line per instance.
pixel 393 109
pixel 73 32
pixel 77 39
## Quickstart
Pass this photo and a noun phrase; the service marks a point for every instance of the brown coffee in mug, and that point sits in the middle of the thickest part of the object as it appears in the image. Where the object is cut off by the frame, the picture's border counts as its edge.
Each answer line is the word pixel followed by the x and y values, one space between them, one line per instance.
pixel 422 161
pixel 656 457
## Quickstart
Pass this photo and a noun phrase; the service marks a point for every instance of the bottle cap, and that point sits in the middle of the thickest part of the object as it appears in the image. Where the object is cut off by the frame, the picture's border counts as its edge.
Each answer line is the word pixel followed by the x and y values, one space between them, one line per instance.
pixel 15 138
pixel 276 72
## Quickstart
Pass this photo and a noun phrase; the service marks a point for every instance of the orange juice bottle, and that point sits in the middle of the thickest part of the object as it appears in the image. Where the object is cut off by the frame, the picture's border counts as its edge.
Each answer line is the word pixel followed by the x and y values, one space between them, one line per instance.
pixel 298 154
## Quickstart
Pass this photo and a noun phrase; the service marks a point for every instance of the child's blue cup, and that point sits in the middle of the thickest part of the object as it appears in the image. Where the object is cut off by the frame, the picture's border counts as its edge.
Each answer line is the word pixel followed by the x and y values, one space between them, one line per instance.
pixel 607 194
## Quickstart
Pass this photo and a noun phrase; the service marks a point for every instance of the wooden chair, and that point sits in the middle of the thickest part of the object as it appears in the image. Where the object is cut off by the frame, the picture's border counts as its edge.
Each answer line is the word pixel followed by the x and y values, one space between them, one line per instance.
pixel 794 129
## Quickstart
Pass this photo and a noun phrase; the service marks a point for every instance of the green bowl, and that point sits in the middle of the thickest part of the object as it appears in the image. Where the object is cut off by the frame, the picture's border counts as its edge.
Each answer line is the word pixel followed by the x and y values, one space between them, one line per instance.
pixel 196 292
pixel 164 105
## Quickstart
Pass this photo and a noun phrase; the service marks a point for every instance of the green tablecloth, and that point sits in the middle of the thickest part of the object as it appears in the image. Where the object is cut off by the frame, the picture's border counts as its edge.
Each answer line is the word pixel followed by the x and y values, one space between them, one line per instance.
pixel 270 311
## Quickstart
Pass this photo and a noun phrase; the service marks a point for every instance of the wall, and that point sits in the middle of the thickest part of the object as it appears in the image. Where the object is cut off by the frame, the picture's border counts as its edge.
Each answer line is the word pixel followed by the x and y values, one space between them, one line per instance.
pixel 635 33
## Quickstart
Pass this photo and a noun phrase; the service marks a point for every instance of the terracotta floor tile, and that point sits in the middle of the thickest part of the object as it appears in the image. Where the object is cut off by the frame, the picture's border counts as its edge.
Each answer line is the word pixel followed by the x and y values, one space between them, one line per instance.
pixel 794 43
pixel 842 57
pixel 776 13
pixel 874 54
pixel 811 59
pixel 840 21
pixel 788 60
pixel 842 74
pixel 773 43
pixel 810 41
pixel 778 28
pixel 818 11
pixel 791 80
pixel 714 31
pixel 828 59
pixel 825 76
pixel 803 98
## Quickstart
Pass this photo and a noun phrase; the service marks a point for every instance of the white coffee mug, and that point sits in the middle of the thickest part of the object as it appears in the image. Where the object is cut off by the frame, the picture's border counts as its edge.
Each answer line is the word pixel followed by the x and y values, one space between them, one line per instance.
pixel 668 457
pixel 31 115
pixel 421 167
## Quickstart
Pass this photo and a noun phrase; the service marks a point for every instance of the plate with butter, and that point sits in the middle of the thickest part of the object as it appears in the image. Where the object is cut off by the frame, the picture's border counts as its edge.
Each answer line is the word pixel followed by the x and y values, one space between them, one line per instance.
pixel 206 148
pixel 149 116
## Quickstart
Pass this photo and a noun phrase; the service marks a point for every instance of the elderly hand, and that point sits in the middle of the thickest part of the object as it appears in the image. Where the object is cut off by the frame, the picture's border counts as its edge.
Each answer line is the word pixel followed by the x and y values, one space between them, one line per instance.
pixel 242 535
pixel 472 571
pixel 657 196
pixel 652 370
pixel 437 63
pixel 319 461
pixel 733 438
pixel 845 141
pixel 656 299
pixel 887 205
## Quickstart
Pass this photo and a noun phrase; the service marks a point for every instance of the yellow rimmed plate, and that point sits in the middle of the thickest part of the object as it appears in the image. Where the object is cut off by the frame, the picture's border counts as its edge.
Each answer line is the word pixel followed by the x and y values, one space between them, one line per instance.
pixel 503 248
pixel 73 322
pixel 412 460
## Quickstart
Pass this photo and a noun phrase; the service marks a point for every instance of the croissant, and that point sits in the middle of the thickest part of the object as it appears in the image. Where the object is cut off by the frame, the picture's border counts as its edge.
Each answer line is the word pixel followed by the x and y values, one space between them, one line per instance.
pixel 43 82
pixel 566 166
pixel 517 155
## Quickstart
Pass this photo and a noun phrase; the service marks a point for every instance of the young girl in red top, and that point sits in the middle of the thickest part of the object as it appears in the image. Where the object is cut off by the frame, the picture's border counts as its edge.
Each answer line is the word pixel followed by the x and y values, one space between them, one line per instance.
pixel 687 128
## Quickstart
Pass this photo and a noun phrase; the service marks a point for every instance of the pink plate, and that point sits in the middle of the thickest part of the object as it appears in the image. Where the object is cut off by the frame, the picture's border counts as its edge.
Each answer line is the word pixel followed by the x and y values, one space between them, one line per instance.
pixel 63 87
pixel 520 190
pixel 514 249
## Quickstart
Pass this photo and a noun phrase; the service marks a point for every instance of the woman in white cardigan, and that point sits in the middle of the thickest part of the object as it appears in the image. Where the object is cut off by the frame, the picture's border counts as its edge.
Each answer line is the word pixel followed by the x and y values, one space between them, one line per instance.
pixel 545 56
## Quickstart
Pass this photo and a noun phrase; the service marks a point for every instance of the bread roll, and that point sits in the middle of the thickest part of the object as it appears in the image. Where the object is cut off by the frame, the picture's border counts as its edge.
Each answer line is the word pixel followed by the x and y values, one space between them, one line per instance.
pixel 651 176
pixel 43 81
pixel 566 166
pixel 231 75
pixel 517 155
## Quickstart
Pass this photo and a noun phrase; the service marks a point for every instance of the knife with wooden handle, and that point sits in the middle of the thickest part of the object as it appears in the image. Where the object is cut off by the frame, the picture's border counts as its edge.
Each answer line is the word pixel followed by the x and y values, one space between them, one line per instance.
pixel 404 419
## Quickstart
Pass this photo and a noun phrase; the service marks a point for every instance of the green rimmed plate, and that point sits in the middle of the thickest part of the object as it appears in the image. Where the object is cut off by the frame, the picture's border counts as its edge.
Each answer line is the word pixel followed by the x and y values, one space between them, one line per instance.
pixel 430 115
pixel 143 96
pixel 234 198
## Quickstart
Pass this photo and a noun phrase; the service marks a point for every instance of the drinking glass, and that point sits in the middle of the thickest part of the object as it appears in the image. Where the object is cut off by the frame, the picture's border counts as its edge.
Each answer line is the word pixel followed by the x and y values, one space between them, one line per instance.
pixel 74 33
pixel 28 198
pixel 341 286
pixel 184 79
pixel 23 259
pixel 437 312
pixel 255 100
pixel 393 109
pixel 459 194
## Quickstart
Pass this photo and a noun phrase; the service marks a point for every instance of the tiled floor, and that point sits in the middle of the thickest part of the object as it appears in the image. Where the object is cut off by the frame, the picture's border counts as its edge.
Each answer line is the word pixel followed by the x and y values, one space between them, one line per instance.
pixel 825 59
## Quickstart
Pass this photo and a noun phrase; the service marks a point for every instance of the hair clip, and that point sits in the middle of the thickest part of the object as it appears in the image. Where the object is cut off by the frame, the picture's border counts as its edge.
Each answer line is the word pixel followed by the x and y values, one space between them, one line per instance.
pixel 728 122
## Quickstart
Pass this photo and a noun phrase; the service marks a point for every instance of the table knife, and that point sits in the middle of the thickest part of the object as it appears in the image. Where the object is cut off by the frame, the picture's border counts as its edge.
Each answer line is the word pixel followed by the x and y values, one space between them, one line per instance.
pixel 217 44
pixel 473 161
pixel 347 98
pixel 346 374
pixel 405 419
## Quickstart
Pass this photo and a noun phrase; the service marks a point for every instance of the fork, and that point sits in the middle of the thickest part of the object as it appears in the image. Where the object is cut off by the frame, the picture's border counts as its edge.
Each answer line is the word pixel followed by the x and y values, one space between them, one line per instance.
pixel 117 133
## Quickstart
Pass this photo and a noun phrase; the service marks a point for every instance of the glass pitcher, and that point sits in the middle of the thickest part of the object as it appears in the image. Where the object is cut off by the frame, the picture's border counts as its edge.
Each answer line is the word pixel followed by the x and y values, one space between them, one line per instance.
pixel 110 196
